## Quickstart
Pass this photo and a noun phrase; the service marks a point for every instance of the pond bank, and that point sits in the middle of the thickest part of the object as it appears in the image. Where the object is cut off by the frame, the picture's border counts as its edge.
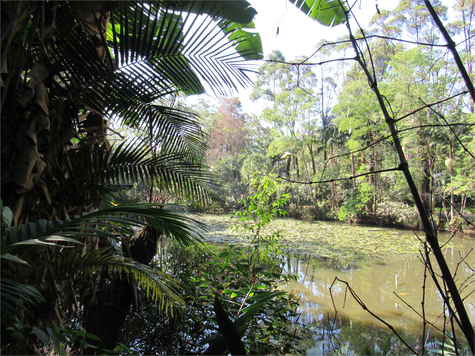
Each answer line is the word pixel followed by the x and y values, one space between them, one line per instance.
pixel 460 225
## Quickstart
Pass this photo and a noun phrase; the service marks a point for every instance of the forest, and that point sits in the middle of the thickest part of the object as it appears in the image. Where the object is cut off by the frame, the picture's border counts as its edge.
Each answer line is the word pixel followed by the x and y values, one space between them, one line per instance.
pixel 107 166
pixel 323 125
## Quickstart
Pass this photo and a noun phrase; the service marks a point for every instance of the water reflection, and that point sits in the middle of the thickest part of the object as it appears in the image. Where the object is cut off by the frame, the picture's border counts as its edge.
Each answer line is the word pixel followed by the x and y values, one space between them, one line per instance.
pixel 392 288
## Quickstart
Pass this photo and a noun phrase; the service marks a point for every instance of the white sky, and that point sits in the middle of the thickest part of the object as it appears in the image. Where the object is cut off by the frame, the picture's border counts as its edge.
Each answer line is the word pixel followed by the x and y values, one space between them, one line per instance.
pixel 298 34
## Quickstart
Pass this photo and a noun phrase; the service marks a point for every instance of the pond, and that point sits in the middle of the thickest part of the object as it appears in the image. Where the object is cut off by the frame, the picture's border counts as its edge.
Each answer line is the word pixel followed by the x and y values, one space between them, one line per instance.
pixel 381 265
pixel 392 290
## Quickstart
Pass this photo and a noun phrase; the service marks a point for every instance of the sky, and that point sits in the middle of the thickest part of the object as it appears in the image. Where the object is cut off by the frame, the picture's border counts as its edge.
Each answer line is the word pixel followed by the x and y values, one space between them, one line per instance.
pixel 298 34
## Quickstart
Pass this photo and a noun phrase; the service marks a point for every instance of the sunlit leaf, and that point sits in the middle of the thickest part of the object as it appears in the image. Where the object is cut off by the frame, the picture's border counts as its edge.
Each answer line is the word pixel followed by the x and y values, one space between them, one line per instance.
pixel 327 12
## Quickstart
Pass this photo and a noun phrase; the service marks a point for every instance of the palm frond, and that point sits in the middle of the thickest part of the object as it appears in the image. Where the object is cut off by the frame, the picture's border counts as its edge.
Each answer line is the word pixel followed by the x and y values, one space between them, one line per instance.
pixel 158 286
pixel 17 296
pixel 113 195
pixel 171 130
pixel 67 263
pixel 111 223
pixel 158 48
pixel 132 161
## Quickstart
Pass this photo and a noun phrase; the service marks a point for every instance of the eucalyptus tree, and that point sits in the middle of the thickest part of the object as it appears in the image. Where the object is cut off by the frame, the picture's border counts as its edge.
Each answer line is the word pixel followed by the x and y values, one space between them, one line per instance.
pixel 452 298
pixel 228 143
pixel 228 135
pixel 292 112
pixel 68 69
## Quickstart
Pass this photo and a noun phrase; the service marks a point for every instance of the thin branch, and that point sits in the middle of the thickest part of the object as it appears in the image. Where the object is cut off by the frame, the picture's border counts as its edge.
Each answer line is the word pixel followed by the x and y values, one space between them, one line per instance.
pixel 445 296
pixel 458 61
pixel 338 179
pixel 455 134
pixel 430 105
pixel 374 36
pixel 365 308
pixel 309 63
pixel 434 125
pixel 460 214
pixel 416 312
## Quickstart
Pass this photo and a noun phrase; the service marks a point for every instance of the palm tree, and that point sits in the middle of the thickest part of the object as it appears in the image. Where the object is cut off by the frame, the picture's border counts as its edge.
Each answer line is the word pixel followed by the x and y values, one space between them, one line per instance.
pixel 68 70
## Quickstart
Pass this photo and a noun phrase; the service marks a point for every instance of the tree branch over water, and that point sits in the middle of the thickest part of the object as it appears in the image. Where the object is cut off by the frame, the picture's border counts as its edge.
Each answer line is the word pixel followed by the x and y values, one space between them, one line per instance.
pixel 339 179
pixel 365 308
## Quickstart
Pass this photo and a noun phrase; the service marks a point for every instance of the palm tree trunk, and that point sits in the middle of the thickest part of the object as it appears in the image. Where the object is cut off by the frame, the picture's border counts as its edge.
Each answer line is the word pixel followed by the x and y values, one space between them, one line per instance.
pixel 107 314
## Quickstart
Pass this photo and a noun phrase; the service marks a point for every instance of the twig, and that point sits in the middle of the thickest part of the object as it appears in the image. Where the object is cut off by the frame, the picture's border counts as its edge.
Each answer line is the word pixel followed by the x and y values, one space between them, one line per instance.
pixel 415 311
pixel 455 134
pixel 430 105
pixel 363 305
pixel 424 321
pixel 338 179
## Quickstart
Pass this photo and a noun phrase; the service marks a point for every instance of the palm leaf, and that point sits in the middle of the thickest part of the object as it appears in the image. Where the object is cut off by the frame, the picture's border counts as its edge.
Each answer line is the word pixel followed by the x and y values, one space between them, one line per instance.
pixel 327 12
pixel 107 223
pixel 157 51
pixel 132 162
pixel 171 130
pixel 158 286
pixel 17 296
pixel 152 55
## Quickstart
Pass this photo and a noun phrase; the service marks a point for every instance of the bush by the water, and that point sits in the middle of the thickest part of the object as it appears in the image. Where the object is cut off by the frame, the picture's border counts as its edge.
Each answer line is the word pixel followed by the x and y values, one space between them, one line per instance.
pixel 397 214
pixel 204 271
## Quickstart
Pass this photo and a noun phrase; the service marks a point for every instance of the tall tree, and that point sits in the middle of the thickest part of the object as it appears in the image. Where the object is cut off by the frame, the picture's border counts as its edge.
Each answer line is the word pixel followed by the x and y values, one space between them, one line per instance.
pixel 66 68
pixel 228 136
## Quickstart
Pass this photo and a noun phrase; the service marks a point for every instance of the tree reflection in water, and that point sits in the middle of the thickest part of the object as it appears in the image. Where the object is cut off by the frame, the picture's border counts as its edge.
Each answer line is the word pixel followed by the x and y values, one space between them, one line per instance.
pixel 389 287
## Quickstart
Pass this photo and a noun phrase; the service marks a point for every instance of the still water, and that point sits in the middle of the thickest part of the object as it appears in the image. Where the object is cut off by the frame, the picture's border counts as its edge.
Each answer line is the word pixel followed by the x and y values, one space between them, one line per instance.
pixel 392 288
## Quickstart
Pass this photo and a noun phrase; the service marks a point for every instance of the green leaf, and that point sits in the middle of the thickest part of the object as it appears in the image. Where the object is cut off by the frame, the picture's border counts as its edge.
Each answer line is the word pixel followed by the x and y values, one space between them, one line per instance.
pixel 56 340
pixel 228 330
pixel 13 258
pixel 41 335
pixel 17 296
pixel 7 216
pixel 328 13
pixel 236 11
pixel 41 241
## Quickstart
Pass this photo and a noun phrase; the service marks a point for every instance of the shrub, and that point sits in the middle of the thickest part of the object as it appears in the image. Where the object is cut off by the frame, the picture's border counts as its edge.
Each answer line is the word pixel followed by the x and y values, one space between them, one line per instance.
pixel 397 214
pixel 203 272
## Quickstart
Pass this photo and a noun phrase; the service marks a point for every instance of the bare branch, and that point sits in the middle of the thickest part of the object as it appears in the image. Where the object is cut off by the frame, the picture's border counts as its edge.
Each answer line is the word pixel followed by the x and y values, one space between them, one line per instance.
pixel 308 63
pixel 455 134
pixel 363 305
pixel 338 179
pixel 430 105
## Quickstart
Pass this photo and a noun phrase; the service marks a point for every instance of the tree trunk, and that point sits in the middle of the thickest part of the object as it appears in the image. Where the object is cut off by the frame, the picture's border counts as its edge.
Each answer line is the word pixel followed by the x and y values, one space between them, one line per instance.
pixel 105 316
pixel 314 168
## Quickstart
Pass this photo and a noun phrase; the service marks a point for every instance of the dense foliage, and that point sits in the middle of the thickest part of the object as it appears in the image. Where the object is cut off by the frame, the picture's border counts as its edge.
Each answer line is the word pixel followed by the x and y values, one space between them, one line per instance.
pixel 75 252
pixel 202 272
pixel 323 124
pixel 85 270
